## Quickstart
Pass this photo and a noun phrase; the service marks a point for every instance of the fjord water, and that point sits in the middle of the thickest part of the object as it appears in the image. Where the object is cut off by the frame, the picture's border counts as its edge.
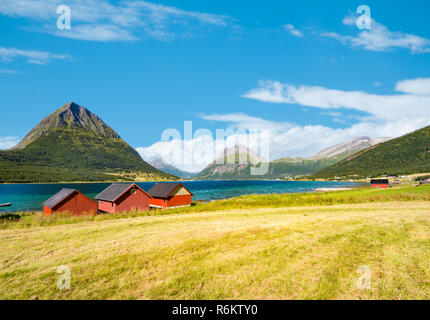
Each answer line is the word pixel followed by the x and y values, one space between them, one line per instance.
pixel 30 197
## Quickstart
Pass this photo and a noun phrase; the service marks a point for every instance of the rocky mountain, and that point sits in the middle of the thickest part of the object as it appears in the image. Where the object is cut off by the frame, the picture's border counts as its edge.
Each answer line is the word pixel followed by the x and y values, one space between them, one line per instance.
pixel 239 154
pixel 70 116
pixel 161 165
pixel 73 144
pixel 236 162
pixel 404 155
pixel 347 148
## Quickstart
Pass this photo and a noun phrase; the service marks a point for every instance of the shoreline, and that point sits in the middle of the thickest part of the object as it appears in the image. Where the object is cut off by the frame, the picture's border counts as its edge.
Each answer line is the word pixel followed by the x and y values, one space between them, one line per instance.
pixel 309 191
pixel 85 182
pixel 182 180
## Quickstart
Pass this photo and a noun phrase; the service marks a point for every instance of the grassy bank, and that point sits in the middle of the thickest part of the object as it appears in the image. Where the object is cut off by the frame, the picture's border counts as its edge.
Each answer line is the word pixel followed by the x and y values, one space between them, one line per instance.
pixel 361 195
pixel 309 252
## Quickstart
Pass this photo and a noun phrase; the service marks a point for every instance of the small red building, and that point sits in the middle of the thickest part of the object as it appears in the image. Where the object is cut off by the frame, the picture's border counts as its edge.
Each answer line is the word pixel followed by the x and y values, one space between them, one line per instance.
pixel 122 197
pixel 69 200
pixel 170 195
pixel 427 181
pixel 379 183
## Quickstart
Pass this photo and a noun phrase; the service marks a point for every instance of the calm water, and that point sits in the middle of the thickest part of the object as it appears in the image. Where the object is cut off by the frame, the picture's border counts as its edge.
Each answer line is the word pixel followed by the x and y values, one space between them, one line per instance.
pixel 31 196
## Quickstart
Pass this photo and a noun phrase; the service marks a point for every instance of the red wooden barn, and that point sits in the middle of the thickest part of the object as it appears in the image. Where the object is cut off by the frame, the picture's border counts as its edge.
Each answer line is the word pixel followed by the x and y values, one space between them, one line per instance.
pixel 170 195
pixel 69 200
pixel 379 183
pixel 120 197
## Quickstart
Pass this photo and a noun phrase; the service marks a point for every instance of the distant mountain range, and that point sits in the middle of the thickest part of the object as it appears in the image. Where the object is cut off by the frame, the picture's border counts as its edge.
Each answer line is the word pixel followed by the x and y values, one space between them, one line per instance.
pixel 234 163
pixel 347 148
pixel 230 165
pixel 404 155
pixel 170 169
pixel 73 144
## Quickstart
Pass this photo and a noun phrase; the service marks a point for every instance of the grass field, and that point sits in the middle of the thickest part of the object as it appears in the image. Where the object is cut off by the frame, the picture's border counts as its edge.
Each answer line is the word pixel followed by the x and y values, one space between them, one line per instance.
pixel 233 249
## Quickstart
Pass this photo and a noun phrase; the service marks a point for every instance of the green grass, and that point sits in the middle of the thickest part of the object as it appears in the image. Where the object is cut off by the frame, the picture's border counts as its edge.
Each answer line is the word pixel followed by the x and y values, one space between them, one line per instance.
pixel 359 195
pixel 289 246
pixel 310 252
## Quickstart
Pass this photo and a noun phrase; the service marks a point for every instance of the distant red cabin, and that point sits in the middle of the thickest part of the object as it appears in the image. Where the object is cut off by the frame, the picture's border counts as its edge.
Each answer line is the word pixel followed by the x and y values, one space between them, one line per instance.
pixel 69 200
pixel 170 195
pixel 379 183
pixel 427 181
pixel 120 197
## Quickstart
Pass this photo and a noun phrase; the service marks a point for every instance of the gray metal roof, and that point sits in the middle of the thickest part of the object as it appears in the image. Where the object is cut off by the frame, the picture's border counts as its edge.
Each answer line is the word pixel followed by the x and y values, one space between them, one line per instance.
pixel 114 191
pixel 163 190
pixel 58 197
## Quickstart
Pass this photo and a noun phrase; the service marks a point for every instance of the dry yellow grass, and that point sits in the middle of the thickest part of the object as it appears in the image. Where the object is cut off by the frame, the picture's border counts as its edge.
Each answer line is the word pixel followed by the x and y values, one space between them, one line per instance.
pixel 262 253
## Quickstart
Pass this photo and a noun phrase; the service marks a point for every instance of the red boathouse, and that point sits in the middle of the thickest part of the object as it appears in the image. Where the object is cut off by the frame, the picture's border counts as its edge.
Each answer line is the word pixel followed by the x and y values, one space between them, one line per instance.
pixel 170 195
pixel 69 200
pixel 379 183
pixel 120 197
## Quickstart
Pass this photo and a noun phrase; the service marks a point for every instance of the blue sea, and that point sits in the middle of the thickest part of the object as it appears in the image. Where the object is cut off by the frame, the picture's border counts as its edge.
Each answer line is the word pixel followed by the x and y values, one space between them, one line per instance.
pixel 30 197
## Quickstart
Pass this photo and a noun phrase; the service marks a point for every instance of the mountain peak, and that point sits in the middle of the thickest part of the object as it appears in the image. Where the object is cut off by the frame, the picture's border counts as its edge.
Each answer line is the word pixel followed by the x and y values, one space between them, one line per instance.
pixel 72 116
pixel 349 147
pixel 72 106
pixel 239 154
pixel 162 165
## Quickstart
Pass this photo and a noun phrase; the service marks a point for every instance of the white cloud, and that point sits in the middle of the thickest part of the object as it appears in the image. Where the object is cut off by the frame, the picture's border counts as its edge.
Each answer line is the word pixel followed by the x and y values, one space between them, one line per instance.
pixel 380 38
pixel 176 151
pixel 31 56
pixel 389 116
pixel 419 86
pixel 8 142
pixel 292 30
pixel 285 139
pixel 101 20
pixel 381 107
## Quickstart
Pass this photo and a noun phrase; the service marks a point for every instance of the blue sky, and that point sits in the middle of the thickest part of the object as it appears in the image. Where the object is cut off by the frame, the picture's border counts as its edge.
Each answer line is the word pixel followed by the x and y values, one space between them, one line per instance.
pixel 301 70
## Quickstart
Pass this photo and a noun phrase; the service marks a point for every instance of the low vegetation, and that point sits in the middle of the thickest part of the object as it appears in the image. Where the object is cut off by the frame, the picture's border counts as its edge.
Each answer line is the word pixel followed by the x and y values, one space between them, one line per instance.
pixel 290 246
pixel 109 159
pixel 263 253
pixel 278 169
pixel 360 195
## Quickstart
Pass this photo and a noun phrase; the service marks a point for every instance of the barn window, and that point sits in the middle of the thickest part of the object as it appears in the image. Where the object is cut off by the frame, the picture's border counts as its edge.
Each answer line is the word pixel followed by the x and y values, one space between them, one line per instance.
pixel 133 191
pixel 101 202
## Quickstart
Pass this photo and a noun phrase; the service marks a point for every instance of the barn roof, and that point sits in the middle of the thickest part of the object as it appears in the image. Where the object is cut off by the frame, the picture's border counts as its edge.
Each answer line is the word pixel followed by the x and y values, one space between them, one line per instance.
pixel 58 197
pixel 379 181
pixel 163 190
pixel 116 190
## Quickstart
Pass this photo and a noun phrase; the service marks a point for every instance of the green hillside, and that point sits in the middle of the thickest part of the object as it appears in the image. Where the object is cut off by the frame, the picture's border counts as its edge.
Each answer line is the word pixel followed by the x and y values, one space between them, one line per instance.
pixel 69 145
pixel 405 155
pixel 278 169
